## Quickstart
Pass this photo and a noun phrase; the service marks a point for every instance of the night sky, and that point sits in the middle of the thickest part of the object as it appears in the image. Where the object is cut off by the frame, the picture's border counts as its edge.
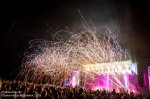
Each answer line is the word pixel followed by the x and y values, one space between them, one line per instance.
pixel 25 21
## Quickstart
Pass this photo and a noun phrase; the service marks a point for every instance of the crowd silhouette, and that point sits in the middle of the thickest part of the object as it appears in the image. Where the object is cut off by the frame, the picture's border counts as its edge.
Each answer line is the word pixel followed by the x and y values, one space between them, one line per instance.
pixel 12 89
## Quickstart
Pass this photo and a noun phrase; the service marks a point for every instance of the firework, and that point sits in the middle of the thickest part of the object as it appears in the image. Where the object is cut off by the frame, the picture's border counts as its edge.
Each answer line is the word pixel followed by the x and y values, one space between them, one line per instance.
pixel 54 62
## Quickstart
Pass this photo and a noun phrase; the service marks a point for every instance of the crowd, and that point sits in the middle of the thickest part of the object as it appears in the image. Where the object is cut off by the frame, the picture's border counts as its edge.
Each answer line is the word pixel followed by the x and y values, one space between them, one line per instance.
pixel 12 89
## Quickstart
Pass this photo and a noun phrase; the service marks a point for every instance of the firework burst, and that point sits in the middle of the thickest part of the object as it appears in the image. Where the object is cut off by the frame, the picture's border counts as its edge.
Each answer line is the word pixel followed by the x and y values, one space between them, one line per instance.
pixel 53 62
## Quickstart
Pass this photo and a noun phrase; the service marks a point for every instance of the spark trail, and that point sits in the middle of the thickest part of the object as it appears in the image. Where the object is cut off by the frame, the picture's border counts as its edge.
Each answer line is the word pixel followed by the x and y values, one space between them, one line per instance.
pixel 53 62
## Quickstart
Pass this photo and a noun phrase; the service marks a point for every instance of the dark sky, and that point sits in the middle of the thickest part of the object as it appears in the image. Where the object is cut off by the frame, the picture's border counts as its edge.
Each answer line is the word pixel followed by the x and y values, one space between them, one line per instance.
pixel 23 21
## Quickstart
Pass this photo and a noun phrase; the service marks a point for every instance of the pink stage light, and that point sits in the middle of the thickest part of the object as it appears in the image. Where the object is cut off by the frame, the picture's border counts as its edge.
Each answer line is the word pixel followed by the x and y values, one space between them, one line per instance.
pixel 133 91
pixel 131 76
pixel 97 88
pixel 145 84
pixel 149 76
pixel 107 83
pixel 126 81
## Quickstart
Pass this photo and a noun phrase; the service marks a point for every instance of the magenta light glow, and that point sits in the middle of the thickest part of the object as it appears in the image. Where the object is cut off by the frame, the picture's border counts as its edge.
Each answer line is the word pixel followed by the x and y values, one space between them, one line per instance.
pixel 110 82
pixel 126 81
pixel 131 76
pixel 149 76
pixel 145 84
pixel 107 83
pixel 133 91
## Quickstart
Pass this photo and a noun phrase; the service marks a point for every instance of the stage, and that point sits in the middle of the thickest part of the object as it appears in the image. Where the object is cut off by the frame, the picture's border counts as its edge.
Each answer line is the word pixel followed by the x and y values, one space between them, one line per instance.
pixel 118 75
